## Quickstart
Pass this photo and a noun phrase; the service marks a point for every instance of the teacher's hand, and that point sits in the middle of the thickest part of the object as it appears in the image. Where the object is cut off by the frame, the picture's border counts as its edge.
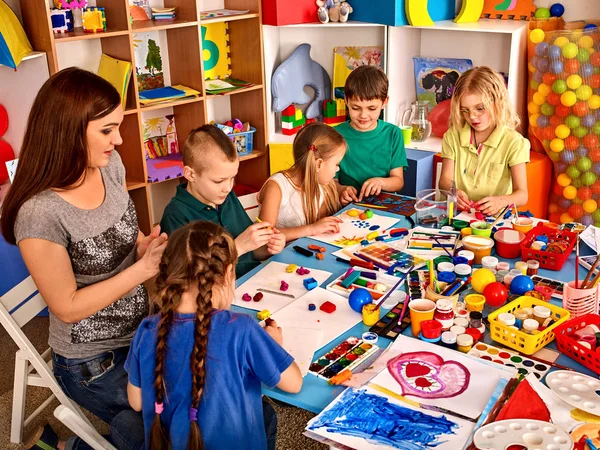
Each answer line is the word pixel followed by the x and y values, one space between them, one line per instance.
pixel 143 245
pixel 153 254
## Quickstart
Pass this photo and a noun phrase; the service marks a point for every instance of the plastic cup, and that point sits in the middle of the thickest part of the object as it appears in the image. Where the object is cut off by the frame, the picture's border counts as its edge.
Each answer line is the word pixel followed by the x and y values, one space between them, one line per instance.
pixel 420 310
pixel 522 224
pixel 406 134
pixel 370 314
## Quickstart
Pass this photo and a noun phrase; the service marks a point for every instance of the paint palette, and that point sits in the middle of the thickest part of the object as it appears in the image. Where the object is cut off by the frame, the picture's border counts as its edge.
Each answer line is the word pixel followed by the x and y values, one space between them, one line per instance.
pixel 347 355
pixel 576 389
pixel 387 256
pixel 388 326
pixel 523 433
pixel 555 285
pixel 523 364
pixel 417 283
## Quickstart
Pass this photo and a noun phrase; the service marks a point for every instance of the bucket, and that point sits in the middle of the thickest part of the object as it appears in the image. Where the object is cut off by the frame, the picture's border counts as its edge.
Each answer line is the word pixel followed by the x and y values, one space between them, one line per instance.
pixel 508 243
pixel 431 205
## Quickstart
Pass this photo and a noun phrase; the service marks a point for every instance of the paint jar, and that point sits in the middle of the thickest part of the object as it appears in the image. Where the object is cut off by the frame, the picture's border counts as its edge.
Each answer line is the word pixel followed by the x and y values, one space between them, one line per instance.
pixel 474 333
pixel 507 319
pixel 532 267
pixel 500 274
pixel 447 228
pixel 528 311
pixel 449 340
pixel 467 254
pixel 462 271
pixel 489 262
pixel 446 277
pixel 520 316
pixel 444 313
pixel 461 321
pixel 434 296
pixel 431 329
pixel 475 302
pixel 530 325
pixel 370 338
pixel 460 260
pixel 541 314
pixel 480 245
pixel 507 280
pixel 503 265
pixel 445 267
pixel 458 330
pixel 516 272
pixel 522 266
pixel 466 232
pixel 370 314
pixel 464 343
pixel 475 318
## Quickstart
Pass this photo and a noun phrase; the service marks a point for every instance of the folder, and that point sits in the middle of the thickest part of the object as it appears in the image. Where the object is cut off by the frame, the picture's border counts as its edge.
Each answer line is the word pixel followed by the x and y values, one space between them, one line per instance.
pixel 117 73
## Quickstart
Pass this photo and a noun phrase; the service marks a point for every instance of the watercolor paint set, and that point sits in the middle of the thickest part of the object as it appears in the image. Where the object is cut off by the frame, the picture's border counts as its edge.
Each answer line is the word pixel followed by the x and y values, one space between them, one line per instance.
pixel 376 282
pixel 555 285
pixel 523 364
pixel 389 326
pixel 429 244
pixel 345 356
pixel 417 283
pixel 386 256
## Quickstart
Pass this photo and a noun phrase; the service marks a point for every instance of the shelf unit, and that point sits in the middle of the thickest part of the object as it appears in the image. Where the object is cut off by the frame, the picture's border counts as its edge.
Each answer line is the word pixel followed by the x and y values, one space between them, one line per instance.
pixel 181 52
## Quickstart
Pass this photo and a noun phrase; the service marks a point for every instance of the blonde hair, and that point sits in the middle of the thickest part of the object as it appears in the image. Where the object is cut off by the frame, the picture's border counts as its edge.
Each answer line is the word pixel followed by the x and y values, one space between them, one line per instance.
pixel 489 85
pixel 203 140
pixel 313 142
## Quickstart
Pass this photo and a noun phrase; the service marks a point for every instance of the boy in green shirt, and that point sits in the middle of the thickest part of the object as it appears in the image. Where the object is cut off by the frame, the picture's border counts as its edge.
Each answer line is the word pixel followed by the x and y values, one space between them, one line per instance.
pixel 375 158
pixel 210 164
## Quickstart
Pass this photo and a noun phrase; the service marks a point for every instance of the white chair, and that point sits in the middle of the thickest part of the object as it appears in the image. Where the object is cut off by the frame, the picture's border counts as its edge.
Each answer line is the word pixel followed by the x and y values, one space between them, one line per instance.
pixel 17 307
pixel 251 205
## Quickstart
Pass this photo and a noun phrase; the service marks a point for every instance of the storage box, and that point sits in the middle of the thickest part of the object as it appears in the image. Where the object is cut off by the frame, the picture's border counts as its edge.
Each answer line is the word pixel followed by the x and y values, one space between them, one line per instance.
pixel 419 172
pixel 393 12
pixel 574 349
pixel 284 12
pixel 243 141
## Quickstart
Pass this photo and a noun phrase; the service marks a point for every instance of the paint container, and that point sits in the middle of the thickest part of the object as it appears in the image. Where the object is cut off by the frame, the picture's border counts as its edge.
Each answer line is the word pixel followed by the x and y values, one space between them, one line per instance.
pixel 489 262
pixel 445 267
pixel 467 254
pixel 503 265
pixel 507 319
pixel 541 314
pixel 370 314
pixel 507 280
pixel 431 329
pixel 500 274
pixel 528 311
pixel 522 224
pixel 447 277
pixel 420 311
pixel 481 229
pixel 475 319
pixel 462 271
pixel 521 315
pixel 370 337
pixel 447 228
pixel 475 302
pixel 522 266
pixel 466 232
pixel 532 267
pixel 460 260
pixel 475 333
pixel 480 245
pixel 458 330
pixel 444 313
pixel 434 296
pixel 464 343
pixel 530 325
pixel 449 340
pixel 461 321
pixel 516 272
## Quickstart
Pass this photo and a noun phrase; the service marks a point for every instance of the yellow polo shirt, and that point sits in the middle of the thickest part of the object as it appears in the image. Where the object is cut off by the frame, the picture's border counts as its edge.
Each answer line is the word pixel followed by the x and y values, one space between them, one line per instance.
pixel 487 173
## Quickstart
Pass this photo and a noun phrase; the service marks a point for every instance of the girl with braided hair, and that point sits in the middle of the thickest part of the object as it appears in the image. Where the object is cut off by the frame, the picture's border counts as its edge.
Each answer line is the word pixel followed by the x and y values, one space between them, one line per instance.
pixel 195 368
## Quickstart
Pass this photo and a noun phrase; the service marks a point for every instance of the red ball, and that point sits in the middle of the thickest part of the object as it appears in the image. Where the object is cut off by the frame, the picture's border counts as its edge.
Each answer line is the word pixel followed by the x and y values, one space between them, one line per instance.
pixel 495 294
pixel 548 133
pixel 590 140
pixel 556 121
pixel 575 211
pixel 596 187
pixel 584 193
pixel 595 81
pixel 571 66
pixel 440 118
pixel 594 154
pixel 553 99
pixel 580 109
pixel 3 120
pixel 595 59
pixel 549 78
pixel 558 189
pixel 571 143
pixel 562 111
pixel 554 217
pixel 6 154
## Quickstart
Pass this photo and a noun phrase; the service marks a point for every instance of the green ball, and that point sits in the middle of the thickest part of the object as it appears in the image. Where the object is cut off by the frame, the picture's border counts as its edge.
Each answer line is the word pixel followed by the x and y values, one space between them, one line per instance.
pixel 588 178
pixel 547 109
pixel 559 86
pixel 570 50
pixel 596 128
pixel 584 164
pixel 534 85
pixel 573 172
pixel 580 132
pixel 572 121
pixel 576 183
pixel 596 70
pixel 584 55
pixel 596 215
pixel 542 13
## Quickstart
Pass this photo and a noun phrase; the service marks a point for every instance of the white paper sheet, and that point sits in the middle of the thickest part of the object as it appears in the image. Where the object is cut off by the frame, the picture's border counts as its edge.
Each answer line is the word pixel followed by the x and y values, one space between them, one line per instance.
pixel 301 343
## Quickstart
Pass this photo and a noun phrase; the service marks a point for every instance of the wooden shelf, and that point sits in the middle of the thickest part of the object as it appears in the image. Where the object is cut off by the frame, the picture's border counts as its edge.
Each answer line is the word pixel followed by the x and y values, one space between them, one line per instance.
pixel 154 183
pixel 350 23
pixel 255 154
pixel 170 104
pixel 130 111
pixel 229 18
pixel 78 35
pixel 131 185
pixel 237 91
pixel 149 25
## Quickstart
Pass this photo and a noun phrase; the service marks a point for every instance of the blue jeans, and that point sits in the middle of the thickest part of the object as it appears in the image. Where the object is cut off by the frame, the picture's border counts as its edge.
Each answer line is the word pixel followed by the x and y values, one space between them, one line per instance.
pixel 270 419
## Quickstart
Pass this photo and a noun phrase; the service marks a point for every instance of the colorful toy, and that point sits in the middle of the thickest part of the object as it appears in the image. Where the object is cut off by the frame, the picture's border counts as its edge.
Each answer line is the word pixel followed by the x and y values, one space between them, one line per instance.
pixel 557 10
pixel 62 20
pixel 521 284
pixel 334 111
pixel 291 268
pixel 312 307
pixel 508 9
pixel 310 283
pixel 93 19
pixel 302 271
pixel 258 297
pixel 417 14
pixel 284 286
pixel 263 315
pixel 470 12
pixel 495 294
pixel 14 44
pixel 328 307
pixel 70 4
pixel 481 278
pixel 358 298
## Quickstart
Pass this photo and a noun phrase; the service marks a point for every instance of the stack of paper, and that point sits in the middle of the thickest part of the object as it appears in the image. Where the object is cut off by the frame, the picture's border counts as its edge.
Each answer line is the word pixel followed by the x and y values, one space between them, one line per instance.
pixel 163 13
pixel 117 73
pixel 167 94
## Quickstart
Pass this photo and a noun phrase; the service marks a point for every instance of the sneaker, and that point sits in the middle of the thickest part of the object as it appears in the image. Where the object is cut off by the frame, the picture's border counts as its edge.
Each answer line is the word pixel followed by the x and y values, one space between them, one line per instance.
pixel 44 439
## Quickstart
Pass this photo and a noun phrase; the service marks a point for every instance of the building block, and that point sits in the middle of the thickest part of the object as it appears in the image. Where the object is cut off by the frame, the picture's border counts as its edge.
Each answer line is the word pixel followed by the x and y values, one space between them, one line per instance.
pixel 393 12
pixel 284 12
pixel 470 12
pixel 93 19
pixel 417 13
pixel 328 307
pixel 263 315
pixel 419 172
pixel 310 283
pixel 62 20
pixel 289 111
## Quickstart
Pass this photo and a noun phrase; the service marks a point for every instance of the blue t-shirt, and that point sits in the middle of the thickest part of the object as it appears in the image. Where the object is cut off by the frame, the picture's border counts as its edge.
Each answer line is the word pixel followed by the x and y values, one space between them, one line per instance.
pixel 240 356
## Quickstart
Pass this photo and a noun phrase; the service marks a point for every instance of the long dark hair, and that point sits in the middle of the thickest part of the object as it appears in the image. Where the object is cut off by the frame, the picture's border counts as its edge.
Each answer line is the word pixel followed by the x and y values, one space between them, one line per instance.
pixel 197 255
pixel 54 152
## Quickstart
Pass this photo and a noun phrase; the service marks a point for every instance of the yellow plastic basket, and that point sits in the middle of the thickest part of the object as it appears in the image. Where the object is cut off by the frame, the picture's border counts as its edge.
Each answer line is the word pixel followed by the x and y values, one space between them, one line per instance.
pixel 523 342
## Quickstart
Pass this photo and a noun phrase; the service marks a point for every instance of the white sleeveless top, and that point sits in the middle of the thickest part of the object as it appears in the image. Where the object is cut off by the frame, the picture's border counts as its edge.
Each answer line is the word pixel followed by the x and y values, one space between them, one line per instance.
pixel 291 211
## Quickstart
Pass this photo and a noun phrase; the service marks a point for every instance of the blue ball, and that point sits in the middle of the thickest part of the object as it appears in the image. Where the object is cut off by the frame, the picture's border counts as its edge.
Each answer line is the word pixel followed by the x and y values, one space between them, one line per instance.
pixel 554 52
pixel 590 26
pixel 588 121
pixel 541 49
pixel 560 167
pixel 557 10
pixel 543 121
pixel 564 203
pixel 538 76
pixel 587 220
pixel 557 67
pixel 582 151
pixel 587 70
pixel 534 61
pixel 359 297
pixel 521 284
pixel 596 167
pixel 567 156
pixel 543 64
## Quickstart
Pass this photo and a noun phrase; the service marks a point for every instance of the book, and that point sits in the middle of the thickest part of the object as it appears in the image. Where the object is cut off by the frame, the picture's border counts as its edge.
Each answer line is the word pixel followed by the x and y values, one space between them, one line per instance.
pixel 215 13
pixel 117 73
pixel 171 95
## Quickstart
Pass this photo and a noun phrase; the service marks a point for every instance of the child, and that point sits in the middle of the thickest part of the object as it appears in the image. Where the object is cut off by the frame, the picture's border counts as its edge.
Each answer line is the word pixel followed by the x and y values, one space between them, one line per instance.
pixel 210 165
pixel 375 159
pixel 299 200
pixel 195 368
pixel 482 153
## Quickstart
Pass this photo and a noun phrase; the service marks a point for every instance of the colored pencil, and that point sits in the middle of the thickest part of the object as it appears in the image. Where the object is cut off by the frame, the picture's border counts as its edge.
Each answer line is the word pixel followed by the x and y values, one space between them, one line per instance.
pixel 591 271
pixel 444 248
pixel 269 291
pixel 368 205
pixel 590 444
pixel 458 286
pixel 450 286
pixel 388 293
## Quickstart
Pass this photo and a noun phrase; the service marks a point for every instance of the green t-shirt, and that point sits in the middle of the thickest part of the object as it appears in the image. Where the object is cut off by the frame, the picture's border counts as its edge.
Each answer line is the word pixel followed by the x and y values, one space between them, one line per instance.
pixel 370 154
pixel 185 208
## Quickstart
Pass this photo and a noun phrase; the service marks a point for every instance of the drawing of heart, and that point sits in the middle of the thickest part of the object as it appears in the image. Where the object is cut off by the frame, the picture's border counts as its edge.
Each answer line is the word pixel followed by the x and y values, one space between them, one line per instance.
pixel 426 375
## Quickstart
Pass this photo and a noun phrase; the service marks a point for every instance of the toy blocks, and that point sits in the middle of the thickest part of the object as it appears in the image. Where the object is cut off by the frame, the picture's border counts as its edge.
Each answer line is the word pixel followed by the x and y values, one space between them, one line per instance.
pixel 263 315
pixel 93 19
pixel 292 119
pixel 310 283
pixel 62 20
pixel 334 112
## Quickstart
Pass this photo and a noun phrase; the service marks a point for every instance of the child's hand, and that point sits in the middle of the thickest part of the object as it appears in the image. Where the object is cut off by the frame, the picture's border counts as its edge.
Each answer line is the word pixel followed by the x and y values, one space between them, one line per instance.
pixel 274 331
pixel 348 195
pixel 372 186
pixel 462 199
pixel 253 237
pixel 326 225
pixel 490 206
pixel 277 242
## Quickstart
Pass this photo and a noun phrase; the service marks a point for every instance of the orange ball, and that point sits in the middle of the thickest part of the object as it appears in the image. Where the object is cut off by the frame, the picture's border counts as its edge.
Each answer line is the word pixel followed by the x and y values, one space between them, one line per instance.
pixel 571 143
pixel 594 154
pixel 595 59
pixel 580 109
pixel 595 81
pixel 362 216
pixel 584 193
pixel 596 187
pixel 558 189
pixel 572 66
pixel 562 110
pixel 549 78
pixel 548 133
pixel 556 121
pixel 553 99
pixel 591 141
pixel 575 211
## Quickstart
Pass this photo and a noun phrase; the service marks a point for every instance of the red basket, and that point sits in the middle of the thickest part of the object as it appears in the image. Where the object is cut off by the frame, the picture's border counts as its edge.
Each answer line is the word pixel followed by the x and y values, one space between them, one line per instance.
pixel 570 347
pixel 547 260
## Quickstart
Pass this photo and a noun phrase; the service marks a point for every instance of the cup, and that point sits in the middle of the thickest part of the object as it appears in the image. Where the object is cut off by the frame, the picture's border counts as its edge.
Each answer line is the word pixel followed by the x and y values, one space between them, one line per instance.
pixel 420 310
pixel 522 224
pixel 370 314
pixel 406 134
pixel 481 229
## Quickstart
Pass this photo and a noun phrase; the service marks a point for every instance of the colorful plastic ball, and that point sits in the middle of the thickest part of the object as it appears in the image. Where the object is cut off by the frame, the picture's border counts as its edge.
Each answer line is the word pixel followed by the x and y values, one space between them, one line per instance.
pixel 580 109
pixel 588 121
pixel 540 121
pixel 557 145
pixel 589 206
pixel 572 122
pixel 586 42
pixel 573 82
pixel 548 133
pixel 532 108
pixel 553 99
pixel 554 52
pixel 571 172
pixel 594 102
pixel 562 110
pixel 588 178
pixel 575 211
pixel 495 294
pixel 587 70
pixel 542 47
pixel 544 89
pixel 591 141
pixel 584 164
pixel 587 220
pixel 596 128
pixel 566 218
pixel 572 66
pixel 555 120
pixel 538 77
pixel 358 298
pixel 584 193
pixel 568 98
pixel 596 215
pixel 577 184
pixel 542 13
pixel 557 67
pixel 536 36
pixel 564 180
pixel 584 55
pixel 581 152
pixel 560 86
pixel 595 59
pixel 549 78
pixel 590 26
pixel 546 109
pixel 557 10
pixel 562 131
pixel 539 99
pixel 560 167
pixel 561 41
pixel 580 132
pixel 596 190
pixel 481 278
pixel 564 203
pixel 533 84
pixel 570 50
pixel 570 192
pixel 584 92
pixel 572 143
pixel 596 167
pixel 521 284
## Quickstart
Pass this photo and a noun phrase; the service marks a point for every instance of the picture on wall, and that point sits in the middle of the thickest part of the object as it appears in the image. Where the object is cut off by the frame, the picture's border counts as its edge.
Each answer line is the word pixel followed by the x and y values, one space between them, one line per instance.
pixel 148 61
pixel 436 77
pixel 346 59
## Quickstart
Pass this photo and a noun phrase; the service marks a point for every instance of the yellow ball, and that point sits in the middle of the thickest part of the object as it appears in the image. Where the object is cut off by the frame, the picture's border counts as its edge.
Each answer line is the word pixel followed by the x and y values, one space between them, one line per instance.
pixel 557 145
pixel 576 34
pixel 561 41
pixel 481 278
pixel 594 102
pixel 566 218
pixel 536 36
pixel 577 201
pixel 539 99
pixel 562 131
pixel 563 180
pixel 554 157
pixel 544 89
pixel 532 108
pixel 589 206
pixel 586 42
pixel 533 120
pixel 574 81
pixel 570 192
pixel 531 68
pixel 584 92
pixel 568 98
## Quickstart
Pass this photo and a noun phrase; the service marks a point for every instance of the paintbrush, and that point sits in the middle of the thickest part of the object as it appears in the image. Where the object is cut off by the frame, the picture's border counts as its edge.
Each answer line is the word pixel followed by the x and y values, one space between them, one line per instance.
pixel 500 216
pixel 400 281
pixel 444 248
pixel 591 271
pixel 577 262
pixel 552 364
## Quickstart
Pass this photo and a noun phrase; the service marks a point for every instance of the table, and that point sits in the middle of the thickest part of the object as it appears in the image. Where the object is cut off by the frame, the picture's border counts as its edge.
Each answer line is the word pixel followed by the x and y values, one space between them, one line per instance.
pixel 316 393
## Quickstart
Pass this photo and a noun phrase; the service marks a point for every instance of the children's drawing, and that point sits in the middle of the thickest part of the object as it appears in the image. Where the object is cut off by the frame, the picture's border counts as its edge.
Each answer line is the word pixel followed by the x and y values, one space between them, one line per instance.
pixel 436 77
pixel 346 59
pixel 369 420
pixel 427 375
pixel 397 204
pixel 148 60
pixel 163 160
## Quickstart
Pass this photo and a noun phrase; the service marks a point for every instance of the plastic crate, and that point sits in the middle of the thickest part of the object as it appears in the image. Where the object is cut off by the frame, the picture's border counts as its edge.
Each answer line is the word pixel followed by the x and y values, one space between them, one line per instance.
pixel 523 342
pixel 243 141
pixel 547 260
pixel 570 347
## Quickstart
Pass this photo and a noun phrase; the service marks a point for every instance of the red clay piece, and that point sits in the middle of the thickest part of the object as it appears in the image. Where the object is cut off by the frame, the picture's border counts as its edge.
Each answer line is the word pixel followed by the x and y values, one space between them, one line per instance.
pixel 258 297
pixel 328 307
